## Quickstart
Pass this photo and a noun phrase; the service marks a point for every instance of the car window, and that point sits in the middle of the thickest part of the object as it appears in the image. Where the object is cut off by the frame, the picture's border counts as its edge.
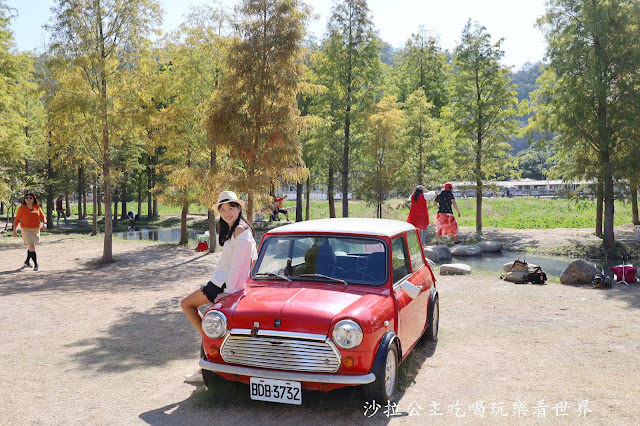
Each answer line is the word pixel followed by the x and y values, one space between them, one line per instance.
pixel 400 259
pixel 413 239
pixel 352 259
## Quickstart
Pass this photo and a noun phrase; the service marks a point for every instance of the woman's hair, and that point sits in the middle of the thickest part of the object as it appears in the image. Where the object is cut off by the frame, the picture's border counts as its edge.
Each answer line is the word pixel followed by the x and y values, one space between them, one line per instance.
pixel 416 193
pixel 35 200
pixel 225 232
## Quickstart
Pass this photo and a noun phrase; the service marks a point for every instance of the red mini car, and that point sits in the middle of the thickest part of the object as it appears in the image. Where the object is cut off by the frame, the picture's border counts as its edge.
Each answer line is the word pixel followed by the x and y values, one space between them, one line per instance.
pixel 330 303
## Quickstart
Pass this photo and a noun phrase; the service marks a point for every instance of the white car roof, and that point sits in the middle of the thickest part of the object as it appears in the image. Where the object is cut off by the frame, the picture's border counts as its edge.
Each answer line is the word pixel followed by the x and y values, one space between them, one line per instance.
pixel 351 225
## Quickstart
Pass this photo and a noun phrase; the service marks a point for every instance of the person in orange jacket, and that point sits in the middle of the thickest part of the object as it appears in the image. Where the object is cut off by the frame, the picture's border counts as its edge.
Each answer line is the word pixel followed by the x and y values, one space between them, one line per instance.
pixel 29 216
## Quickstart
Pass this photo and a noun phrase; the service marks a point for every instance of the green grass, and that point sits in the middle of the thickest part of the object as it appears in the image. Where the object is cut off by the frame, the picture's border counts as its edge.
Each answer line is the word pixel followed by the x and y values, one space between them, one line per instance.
pixel 518 213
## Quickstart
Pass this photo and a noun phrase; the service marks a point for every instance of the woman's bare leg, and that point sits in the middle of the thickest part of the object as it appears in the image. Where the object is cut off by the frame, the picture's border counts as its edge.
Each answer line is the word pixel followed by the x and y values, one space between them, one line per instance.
pixel 190 305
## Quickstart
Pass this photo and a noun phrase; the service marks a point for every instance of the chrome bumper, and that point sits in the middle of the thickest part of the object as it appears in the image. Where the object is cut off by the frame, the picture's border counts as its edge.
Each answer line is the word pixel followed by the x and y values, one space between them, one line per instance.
pixel 287 375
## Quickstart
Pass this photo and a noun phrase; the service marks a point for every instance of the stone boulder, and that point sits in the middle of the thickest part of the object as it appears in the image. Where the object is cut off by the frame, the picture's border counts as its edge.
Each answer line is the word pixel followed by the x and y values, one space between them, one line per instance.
pixel 431 254
pixel 462 250
pixel 490 246
pixel 84 223
pixel 443 251
pixel 578 272
pixel 455 269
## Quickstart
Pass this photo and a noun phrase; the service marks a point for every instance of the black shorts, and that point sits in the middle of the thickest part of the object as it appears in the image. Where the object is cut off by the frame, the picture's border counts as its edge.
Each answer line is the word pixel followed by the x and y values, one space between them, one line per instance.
pixel 212 291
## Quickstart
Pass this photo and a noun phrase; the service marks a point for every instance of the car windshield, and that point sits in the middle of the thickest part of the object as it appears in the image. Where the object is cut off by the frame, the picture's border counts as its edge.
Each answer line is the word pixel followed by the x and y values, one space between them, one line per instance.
pixel 309 257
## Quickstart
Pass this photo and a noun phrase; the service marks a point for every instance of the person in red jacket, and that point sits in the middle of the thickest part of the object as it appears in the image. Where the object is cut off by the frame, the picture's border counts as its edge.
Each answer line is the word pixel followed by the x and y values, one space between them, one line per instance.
pixel 419 213
pixel 29 216
pixel 277 209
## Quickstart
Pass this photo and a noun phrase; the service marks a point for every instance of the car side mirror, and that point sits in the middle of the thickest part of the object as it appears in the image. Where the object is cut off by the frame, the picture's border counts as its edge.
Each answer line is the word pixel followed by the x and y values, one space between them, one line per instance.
pixel 411 290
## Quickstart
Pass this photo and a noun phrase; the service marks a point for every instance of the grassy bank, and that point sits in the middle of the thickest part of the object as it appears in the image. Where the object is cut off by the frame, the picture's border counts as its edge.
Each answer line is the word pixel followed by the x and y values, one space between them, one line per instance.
pixel 517 213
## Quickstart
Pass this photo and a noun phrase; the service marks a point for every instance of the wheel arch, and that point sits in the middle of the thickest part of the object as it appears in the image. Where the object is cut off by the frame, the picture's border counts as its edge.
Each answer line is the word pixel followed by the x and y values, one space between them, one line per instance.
pixel 390 338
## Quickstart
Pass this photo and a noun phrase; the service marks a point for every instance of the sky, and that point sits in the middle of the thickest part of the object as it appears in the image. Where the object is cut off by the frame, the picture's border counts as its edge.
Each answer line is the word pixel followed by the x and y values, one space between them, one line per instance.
pixel 511 20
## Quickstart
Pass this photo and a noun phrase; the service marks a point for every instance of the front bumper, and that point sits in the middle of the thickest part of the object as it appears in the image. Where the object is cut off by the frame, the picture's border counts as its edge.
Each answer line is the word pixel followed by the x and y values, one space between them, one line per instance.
pixel 287 375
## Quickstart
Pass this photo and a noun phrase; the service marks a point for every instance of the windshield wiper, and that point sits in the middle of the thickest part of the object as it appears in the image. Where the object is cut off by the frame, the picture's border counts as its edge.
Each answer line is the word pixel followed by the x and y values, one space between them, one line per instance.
pixel 326 277
pixel 271 274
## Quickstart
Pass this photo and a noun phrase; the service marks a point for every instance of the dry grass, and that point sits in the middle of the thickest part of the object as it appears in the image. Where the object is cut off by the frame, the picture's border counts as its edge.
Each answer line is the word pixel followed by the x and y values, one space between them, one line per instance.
pixel 110 345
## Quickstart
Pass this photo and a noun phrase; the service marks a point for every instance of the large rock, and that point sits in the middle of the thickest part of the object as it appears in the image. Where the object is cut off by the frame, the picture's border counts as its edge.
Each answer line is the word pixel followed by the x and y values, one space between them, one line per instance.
pixel 461 250
pixel 455 269
pixel 578 272
pixel 490 246
pixel 431 254
pixel 84 223
pixel 443 251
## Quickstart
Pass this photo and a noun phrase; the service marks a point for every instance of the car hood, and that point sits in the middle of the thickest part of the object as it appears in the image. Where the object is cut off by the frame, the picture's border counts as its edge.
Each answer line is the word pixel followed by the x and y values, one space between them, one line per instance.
pixel 300 309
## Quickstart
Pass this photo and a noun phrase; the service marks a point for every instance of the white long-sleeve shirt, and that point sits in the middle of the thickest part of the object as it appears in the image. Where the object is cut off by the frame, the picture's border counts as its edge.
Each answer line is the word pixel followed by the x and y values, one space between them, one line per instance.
pixel 233 268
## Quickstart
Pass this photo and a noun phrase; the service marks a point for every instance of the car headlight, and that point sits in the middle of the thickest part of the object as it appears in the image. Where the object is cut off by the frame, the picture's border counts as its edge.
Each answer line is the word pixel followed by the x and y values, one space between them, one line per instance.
pixel 214 324
pixel 347 334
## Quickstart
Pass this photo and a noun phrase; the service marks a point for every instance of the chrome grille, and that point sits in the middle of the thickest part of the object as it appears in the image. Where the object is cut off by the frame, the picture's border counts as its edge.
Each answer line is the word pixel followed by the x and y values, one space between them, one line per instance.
pixel 280 353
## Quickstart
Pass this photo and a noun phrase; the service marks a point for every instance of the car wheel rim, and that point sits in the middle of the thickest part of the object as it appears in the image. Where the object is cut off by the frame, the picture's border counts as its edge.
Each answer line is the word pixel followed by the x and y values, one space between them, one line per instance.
pixel 390 373
pixel 435 319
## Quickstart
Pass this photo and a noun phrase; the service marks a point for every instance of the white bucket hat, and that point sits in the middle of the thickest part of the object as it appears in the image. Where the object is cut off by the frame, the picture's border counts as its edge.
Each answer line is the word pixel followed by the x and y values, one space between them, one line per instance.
pixel 227 197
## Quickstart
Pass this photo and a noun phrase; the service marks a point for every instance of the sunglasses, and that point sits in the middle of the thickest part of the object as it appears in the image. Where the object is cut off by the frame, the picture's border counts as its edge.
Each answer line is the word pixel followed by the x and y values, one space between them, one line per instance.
pixel 28 197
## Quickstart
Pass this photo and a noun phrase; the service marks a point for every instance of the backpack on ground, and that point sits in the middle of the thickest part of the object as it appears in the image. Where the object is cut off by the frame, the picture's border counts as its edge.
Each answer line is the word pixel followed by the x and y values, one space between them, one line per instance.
pixel 521 272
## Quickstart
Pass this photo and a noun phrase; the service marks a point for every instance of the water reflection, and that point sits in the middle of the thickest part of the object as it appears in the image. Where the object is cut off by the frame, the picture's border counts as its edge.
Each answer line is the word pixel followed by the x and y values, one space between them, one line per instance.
pixel 166 235
pixel 551 265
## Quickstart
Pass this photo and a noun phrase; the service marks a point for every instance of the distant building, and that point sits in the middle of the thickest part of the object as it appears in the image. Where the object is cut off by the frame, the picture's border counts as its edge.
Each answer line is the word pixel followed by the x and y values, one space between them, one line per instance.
pixel 520 188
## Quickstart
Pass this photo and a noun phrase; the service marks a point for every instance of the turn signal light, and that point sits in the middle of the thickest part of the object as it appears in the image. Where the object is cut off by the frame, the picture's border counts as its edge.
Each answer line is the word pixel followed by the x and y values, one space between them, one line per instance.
pixel 214 352
pixel 348 362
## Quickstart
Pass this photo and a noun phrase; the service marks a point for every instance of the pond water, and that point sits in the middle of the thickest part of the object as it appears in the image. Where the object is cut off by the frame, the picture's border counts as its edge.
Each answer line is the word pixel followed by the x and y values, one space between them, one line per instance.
pixel 551 265
pixel 164 235
pixel 491 262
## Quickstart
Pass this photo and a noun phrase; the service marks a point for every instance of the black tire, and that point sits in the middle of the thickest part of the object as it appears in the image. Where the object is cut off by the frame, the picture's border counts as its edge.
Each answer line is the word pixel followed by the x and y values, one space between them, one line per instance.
pixel 211 379
pixel 432 330
pixel 383 389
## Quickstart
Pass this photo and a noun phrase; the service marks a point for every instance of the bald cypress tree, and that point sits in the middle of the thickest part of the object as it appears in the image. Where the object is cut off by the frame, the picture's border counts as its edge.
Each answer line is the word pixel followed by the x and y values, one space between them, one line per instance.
pixel 100 40
pixel 253 113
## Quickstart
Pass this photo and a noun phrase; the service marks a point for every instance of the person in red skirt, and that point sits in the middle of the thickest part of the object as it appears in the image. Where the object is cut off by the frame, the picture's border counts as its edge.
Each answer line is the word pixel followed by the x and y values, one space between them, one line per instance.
pixel 419 213
pixel 445 220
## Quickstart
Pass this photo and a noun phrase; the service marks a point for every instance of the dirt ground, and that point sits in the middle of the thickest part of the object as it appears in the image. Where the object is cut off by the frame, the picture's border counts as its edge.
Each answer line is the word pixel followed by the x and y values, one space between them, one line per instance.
pixel 88 344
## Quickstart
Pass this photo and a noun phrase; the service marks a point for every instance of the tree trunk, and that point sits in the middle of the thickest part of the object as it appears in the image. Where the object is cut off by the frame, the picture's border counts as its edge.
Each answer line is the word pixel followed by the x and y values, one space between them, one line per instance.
pixel 139 194
pixel 599 205
pixel 345 165
pixel 213 233
pixel 67 204
pixel 308 203
pixel 634 204
pixel 50 178
pixel 149 186
pixel 332 205
pixel 479 185
pixel 94 227
pixel 84 197
pixel 99 200
pixel 184 236
pixel 124 197
pixel 608 238
pixel 80 193
pixel 115 205
pixel 299 202
pixel 249 212
pixel 155 207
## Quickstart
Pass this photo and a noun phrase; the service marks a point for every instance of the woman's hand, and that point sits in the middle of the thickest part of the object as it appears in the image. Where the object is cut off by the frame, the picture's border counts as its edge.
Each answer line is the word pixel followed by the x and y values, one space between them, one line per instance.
pixel 15 233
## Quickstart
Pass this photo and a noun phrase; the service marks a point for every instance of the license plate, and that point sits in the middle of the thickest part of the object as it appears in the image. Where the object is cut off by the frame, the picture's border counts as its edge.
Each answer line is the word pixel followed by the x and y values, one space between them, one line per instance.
pixel 282 391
